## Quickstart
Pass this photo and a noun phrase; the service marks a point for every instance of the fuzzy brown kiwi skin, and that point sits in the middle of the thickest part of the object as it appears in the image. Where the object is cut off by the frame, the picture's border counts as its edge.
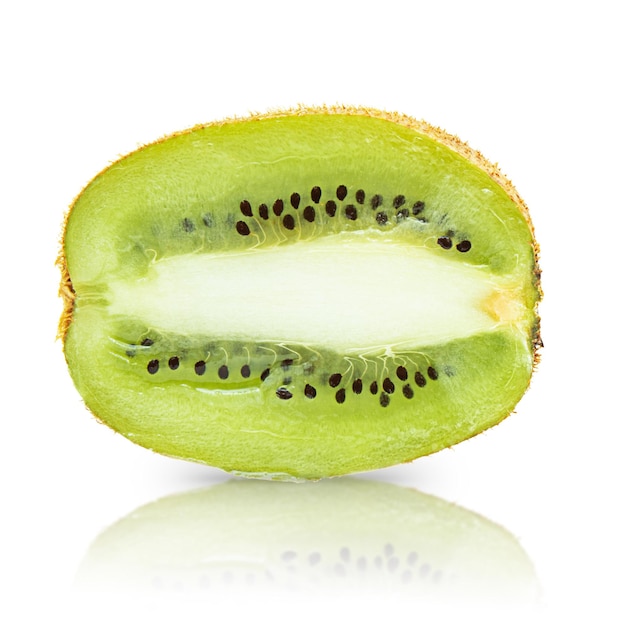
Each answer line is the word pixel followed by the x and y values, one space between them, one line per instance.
pixel 67 293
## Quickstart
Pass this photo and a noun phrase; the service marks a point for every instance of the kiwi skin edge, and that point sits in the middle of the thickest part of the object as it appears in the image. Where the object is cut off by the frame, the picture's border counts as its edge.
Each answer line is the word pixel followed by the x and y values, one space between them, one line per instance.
pixel 68 295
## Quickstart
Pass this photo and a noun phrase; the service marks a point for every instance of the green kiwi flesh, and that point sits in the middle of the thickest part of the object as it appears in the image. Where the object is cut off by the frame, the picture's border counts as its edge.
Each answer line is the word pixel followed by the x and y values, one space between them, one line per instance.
pixel 301 294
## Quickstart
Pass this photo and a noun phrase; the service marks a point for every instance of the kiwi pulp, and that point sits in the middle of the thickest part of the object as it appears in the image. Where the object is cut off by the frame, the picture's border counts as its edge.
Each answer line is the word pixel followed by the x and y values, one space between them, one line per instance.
pixel 301 294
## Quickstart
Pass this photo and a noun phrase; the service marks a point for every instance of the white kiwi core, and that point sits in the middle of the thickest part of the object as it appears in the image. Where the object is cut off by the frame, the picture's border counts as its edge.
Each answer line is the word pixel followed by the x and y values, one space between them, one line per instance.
pixel 353 294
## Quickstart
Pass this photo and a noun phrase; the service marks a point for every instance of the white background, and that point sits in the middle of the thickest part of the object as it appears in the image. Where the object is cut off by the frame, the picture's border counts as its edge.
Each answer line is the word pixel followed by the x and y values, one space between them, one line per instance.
pixel 536 86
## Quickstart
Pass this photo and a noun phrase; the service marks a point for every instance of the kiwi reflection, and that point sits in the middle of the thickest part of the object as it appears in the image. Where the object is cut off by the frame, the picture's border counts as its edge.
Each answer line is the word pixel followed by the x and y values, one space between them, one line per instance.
pixel 334 535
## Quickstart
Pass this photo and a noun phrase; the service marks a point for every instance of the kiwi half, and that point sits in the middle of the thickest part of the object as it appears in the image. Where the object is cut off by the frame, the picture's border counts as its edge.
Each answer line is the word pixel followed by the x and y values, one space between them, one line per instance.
pixel 301 294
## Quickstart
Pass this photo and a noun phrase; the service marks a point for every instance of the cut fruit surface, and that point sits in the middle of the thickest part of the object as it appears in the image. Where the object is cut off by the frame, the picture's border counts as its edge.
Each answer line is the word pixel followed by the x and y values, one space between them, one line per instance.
pixel 309 293
pixel 302 294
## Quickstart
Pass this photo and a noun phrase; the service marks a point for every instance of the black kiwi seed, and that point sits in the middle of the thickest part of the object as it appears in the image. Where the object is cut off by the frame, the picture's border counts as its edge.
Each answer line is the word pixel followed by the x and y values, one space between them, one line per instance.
pixel 360 196
pixel 388 385
pixel 374 388
pixel 288 222
pixel 401 372
pixel 200 367
pixel 153 366
pixel 384 399
pixel 402 214
pixel 407 391
pixel 357 386
pixel 432 373
pixel 286 363
pixel 398 201
pixel 265 373
pixel 245 371
pixel 420 381
pixel 381 218
pixel 309 214
pixel 278 207
pixel 351 213
pixel 222 372
pixel 207 219
pixel 376 201
pixel 334 379
pixel 331 208
pixel 173 363
pixel 316 194
pixel 147 341
pixel 445 242
pixel 418 207
pixel 246 208
pixel 188 225
pixel 243 228
pixel 310 391
pixel 283 394
pixel 464 246
pixel 340 396
pixel 295 200
pixel 263 211
pixel 342 192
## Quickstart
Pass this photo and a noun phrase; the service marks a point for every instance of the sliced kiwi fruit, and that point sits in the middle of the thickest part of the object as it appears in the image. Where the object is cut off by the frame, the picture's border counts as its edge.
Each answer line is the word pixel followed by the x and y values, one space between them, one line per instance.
pixel 301 294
